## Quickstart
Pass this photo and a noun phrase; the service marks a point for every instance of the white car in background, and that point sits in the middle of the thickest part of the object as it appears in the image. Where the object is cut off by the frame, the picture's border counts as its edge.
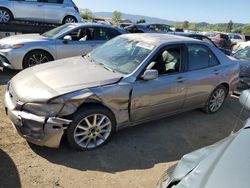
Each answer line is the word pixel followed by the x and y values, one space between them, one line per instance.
pixel 49 11
pixel 236 37
pixel 240 46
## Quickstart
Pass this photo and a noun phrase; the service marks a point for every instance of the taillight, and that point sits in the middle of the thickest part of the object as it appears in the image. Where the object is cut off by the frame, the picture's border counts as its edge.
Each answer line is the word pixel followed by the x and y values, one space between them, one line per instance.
pixel 76 8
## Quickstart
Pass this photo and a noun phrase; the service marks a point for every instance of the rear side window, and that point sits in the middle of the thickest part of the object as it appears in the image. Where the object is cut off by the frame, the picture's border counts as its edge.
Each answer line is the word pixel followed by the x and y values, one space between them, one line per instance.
pixel 247 38
pixel 105 33
pixel 237 37
pixel 200 57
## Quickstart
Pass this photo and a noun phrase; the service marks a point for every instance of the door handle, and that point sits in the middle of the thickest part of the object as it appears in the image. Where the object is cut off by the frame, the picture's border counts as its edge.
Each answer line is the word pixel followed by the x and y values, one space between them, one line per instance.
pixel 180 79
pixel 216 72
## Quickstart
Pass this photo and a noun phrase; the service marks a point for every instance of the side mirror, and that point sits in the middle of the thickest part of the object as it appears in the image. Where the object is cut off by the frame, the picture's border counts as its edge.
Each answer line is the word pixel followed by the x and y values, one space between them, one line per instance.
pixel 150 74
pixel 245 99
pixel 66 39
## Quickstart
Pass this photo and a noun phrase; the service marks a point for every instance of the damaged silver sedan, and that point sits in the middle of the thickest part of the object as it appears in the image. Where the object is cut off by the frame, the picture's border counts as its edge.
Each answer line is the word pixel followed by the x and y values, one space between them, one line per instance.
pixel 223 165
pixel 129 80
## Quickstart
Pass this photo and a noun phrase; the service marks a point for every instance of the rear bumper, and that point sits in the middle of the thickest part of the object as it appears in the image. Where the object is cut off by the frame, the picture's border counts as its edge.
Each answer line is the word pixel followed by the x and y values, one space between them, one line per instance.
pixel 35 129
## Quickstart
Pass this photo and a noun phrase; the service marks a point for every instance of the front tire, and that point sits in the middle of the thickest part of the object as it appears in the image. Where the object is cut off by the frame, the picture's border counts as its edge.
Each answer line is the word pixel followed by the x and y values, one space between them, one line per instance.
pixel 92 127
pixel 216 100
pixel 35 58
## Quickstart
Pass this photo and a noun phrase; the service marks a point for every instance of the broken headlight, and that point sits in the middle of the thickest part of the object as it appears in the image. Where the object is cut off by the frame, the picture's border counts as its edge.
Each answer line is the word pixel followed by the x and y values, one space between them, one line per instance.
pixel 42 109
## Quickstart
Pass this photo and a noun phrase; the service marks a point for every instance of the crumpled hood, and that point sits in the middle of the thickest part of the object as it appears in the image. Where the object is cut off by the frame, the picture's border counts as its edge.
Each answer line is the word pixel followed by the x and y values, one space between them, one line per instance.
pixel 225 164
pixel 22 39
pixel 43 82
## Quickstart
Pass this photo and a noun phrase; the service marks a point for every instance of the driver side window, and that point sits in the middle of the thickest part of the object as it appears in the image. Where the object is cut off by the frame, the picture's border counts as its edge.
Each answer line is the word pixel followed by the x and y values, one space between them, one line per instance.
pixel 82 34
pixel 168 61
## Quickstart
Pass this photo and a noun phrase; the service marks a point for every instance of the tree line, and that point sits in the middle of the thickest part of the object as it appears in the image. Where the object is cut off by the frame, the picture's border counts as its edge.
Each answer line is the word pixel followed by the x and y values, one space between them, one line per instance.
pixel 229 27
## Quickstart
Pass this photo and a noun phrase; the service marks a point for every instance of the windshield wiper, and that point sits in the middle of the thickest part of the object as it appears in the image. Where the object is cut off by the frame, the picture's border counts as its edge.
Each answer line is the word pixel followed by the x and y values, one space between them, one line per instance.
pixel 109 69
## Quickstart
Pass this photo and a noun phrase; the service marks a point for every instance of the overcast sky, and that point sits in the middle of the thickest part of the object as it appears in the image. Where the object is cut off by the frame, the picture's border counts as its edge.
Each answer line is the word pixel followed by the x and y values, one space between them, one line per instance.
pixel 212 11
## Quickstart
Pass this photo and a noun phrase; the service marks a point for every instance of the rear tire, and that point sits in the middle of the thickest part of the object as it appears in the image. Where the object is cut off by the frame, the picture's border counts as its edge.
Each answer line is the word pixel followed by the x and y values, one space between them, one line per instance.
pixel 91 127
pixel 5 15
pixel 69 19
pixel 35 58
pixel 216 100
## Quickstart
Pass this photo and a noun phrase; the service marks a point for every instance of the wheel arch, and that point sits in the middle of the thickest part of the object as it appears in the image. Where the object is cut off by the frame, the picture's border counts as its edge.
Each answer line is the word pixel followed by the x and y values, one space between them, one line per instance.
pixel 94 103
pixel 37 49
pixel 6 8
pixel 226 85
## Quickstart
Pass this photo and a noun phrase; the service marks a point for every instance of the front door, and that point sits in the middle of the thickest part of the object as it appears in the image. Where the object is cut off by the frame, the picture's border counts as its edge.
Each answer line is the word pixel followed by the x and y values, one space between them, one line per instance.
pixel 164 95
pixel 83 41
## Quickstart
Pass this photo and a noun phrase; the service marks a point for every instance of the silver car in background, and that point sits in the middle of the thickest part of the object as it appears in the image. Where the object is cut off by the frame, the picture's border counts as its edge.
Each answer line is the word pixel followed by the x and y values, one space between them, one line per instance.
pixel 129 80
pixel 22 51
pixel 48 11
pixel 222 165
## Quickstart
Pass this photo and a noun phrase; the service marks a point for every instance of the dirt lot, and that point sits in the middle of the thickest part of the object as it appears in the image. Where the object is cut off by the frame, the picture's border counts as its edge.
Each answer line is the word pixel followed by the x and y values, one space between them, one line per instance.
pixel 135 157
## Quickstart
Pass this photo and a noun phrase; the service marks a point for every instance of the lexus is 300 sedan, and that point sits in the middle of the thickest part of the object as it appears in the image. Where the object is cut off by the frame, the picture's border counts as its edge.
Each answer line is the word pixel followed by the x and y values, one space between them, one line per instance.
pixel 131 79
pixel 222 165
pixel 23 51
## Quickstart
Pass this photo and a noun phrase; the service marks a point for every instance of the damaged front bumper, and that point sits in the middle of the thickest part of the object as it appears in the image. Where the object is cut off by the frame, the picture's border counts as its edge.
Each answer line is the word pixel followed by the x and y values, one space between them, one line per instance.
pixel 35 129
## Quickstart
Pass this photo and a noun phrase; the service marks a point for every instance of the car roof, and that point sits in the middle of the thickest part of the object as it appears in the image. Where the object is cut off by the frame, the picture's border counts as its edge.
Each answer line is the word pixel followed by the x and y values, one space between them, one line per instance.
pixel 158 39
pixel 147 24
pixel 90 24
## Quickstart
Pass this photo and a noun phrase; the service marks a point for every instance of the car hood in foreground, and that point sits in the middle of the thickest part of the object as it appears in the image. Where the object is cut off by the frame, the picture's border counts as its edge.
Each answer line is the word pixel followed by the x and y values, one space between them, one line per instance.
pixel 22 39
pixel 225 164
pixel 43 82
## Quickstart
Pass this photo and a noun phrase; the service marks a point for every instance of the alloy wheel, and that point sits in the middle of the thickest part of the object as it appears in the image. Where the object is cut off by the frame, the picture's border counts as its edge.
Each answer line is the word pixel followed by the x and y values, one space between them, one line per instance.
pixel 217 100
pixel 36 59
pixel 70 20
pixel 4 16
pixel 92 131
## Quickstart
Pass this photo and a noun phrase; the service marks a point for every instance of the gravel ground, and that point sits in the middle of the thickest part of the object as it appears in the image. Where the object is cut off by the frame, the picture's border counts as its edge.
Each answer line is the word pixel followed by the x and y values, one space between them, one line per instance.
pixel 136 157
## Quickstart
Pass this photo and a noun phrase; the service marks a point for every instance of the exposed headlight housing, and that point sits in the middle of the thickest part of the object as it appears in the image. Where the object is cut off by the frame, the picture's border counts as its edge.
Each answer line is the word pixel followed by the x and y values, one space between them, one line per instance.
pixel 43 109
pixel 11 46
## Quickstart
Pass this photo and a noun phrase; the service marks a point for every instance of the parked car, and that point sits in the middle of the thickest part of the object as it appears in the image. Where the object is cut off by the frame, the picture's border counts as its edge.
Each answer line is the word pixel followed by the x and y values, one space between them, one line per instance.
pixel 49 11
pixel 240 45
pixel 224 164
pixel 148 28
pixel 236 37
pixel 203 38
pixel 222 40
pixel 244 58
pixel 124 24
pixel 131 79
pixel 22 51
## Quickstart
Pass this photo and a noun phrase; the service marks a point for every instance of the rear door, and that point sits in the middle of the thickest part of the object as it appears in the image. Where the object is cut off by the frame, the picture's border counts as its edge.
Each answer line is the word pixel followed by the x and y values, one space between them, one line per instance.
pixel 30 10
pixel 204 72
pixel 54 10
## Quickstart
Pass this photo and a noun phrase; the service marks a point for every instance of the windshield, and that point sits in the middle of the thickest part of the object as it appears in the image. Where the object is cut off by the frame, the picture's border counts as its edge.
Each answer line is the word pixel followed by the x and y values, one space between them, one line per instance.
pixel 243 54
pixel 54 33
pixel 122 54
